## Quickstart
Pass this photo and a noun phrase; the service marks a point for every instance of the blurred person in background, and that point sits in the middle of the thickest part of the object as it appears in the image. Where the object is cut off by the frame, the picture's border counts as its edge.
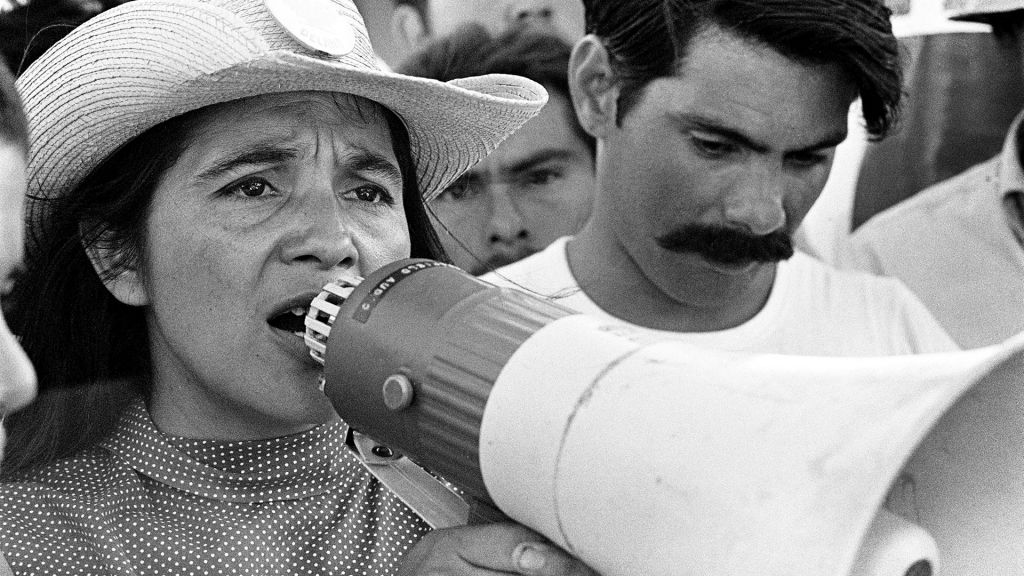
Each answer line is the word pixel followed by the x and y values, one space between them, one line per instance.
pixel 959 244
pixel 538 185
pixel 415 22
pixel 961 93
pixel 716 123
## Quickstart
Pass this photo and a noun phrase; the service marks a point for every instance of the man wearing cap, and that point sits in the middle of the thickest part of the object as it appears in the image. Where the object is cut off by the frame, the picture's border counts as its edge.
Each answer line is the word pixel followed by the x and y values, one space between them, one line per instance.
pixel 716 123
pixel 959 244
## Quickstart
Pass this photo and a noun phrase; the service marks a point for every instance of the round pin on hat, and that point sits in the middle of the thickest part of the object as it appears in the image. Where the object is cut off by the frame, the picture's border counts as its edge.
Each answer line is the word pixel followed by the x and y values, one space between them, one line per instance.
pixel 316 24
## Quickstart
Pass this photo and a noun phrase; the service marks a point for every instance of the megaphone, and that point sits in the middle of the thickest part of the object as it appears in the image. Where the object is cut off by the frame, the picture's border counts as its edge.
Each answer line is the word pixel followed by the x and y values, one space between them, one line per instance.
pixel 641 456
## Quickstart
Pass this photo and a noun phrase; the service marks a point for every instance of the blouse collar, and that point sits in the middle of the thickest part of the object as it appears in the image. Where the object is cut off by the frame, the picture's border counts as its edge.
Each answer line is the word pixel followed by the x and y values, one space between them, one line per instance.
pixel 285 468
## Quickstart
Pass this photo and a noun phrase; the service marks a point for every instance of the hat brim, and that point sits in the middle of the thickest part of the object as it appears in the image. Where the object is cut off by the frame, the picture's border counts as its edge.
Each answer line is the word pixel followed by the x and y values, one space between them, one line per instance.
pixel 451 125
pixel 131 69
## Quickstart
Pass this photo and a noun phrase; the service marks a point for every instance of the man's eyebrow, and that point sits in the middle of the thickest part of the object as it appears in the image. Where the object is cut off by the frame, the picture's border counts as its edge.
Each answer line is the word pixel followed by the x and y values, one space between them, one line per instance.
pixel 256 154
pixel 540 157
pixel 709 125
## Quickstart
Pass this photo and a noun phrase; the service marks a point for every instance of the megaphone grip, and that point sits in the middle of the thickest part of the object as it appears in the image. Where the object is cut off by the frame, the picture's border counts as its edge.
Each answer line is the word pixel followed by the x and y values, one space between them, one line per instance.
pixel 453 392
pixel 450 335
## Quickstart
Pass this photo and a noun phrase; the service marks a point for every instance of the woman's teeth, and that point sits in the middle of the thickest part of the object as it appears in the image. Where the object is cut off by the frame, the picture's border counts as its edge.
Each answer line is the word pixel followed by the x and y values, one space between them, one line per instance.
pixel 292 320
pixel 300 313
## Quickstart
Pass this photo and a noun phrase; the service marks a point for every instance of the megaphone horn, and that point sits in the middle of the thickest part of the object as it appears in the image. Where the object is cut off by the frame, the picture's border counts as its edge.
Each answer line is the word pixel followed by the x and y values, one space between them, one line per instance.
pixel 663 458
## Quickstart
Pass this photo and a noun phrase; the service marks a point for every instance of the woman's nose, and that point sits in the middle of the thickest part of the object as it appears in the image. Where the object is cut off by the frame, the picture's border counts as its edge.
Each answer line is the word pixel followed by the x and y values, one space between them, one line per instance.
pixel 322 237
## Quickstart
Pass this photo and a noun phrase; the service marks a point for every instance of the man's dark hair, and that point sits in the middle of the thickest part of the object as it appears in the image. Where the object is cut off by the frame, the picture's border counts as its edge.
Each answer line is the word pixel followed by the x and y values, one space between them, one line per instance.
pixel 13 125
pixel 647 39
pixel 472 51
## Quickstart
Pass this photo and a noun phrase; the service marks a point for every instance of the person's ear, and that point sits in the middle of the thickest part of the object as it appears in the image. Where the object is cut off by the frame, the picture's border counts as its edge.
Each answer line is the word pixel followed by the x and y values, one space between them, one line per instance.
pixel 408 29
pixel 593 86
pixel 124 283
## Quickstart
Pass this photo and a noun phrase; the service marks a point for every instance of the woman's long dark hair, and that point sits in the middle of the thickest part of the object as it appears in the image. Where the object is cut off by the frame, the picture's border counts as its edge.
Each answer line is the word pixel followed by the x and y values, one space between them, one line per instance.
pixel 91 352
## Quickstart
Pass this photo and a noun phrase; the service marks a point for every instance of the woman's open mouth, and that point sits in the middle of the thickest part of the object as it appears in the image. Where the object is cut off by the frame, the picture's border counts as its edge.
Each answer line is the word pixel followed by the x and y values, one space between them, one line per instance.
pixel 292 320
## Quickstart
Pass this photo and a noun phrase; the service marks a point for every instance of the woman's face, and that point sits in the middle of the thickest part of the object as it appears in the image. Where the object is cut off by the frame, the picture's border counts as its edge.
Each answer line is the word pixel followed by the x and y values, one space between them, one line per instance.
pixel 17 378
pixel 273 197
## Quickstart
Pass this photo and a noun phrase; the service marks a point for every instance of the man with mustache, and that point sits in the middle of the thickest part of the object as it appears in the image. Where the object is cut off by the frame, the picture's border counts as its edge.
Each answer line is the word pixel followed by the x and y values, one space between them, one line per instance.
pixel 716 124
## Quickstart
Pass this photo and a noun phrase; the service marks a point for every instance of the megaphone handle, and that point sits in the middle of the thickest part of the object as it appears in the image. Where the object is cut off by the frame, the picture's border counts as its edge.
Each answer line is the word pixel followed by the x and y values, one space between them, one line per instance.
pixel 483 513
pixel 428 496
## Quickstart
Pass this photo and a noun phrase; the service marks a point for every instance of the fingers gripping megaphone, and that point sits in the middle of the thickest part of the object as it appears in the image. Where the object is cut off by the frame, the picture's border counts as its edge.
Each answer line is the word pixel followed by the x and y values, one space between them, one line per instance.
pixel 662 458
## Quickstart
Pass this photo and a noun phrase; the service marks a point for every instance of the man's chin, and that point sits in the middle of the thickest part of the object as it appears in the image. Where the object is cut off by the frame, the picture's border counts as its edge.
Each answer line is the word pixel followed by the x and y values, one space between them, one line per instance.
pixel 739 266
pixel 497 261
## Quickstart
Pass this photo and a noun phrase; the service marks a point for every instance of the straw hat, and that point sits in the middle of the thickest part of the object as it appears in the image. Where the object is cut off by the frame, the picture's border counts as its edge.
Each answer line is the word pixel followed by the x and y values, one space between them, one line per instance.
pixel 980 9
pixel 147 61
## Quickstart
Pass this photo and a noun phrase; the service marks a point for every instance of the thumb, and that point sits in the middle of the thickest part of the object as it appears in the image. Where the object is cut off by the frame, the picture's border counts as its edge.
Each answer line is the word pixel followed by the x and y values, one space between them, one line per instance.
pixel 538 559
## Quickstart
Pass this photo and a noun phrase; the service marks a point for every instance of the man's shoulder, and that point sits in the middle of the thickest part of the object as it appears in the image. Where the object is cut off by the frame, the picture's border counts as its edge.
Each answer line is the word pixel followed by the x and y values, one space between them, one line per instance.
pixel 942 200
pixel 862 306
pixel 811 280
pixel 811 269
pixel 949 213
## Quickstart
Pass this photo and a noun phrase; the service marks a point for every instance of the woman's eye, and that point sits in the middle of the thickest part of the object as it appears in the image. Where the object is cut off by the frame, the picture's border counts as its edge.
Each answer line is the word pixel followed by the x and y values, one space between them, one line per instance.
pixel 373 195
pixel 249 188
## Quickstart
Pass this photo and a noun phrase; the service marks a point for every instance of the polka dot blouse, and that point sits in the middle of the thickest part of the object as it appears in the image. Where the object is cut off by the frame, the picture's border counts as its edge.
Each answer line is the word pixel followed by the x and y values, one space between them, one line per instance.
pixel 143 503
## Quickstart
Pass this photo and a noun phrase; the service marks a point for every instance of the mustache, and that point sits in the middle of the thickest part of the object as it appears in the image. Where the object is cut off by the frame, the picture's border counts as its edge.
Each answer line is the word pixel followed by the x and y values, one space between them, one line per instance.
pixel 728 245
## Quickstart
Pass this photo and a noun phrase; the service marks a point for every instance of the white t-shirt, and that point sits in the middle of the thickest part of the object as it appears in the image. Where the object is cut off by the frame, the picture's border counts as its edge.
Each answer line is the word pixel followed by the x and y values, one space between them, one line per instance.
pixel 813 309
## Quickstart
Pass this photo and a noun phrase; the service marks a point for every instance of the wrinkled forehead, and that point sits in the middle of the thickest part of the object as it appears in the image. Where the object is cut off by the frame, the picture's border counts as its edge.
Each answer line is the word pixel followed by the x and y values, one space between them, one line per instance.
pixel 273 128
pixel 299 121
pixel 329 109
